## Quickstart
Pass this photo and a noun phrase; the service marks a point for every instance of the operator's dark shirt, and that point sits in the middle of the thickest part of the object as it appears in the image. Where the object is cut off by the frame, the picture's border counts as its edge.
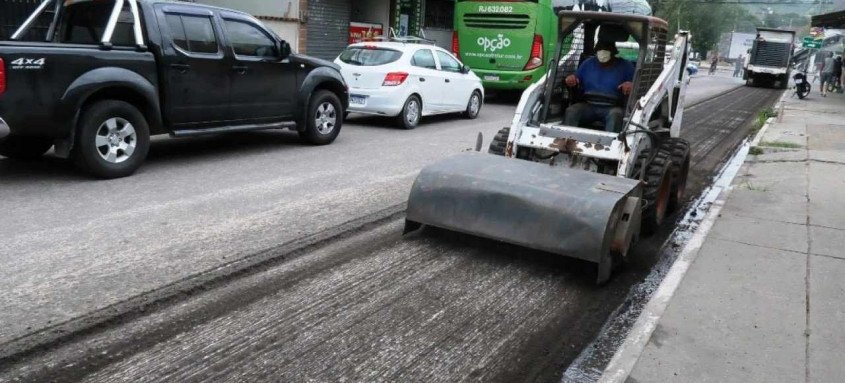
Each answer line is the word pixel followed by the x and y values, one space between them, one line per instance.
pixel 604 81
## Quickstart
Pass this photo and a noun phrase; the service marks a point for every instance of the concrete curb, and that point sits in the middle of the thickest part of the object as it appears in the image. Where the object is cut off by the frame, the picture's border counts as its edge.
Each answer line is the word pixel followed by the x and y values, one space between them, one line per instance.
pixel 627 355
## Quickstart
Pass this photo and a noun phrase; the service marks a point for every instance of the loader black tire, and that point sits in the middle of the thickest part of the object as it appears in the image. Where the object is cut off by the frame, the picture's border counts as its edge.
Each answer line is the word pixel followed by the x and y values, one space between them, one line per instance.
pixel 657 189
pixel 679 152
pixel 500 142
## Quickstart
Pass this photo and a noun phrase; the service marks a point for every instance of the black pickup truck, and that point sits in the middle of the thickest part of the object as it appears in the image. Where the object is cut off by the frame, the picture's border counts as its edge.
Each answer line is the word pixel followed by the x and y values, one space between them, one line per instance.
pixel 109 74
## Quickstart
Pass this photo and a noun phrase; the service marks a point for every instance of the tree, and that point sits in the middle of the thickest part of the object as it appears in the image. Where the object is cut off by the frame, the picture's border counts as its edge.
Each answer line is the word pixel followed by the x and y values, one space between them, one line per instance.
pixel 705 21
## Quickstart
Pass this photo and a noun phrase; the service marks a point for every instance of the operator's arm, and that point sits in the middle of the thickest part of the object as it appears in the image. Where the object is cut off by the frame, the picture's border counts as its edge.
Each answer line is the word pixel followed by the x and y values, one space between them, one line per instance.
pixel 628 77
pixel 574 79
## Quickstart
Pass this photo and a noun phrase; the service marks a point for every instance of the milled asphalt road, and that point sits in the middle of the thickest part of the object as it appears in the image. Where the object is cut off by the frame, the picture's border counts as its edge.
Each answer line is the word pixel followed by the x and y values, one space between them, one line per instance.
pixel 71 245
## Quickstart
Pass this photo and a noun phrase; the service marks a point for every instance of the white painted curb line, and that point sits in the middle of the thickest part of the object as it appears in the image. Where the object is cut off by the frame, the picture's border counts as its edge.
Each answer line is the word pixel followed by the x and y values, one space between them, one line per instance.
pixel 626 357
pixel 628 354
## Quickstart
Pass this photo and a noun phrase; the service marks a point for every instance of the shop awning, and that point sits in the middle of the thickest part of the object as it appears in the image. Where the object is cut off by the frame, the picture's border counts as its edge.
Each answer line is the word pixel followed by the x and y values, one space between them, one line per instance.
pixel 830 20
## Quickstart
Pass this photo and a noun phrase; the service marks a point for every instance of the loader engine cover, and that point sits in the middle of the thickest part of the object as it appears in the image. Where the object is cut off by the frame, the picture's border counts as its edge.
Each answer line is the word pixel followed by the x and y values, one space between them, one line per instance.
pixel 560 210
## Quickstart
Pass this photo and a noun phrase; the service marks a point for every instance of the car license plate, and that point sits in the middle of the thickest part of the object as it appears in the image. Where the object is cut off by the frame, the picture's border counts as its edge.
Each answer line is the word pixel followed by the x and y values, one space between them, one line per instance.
pixel 357 100
pixel 491 77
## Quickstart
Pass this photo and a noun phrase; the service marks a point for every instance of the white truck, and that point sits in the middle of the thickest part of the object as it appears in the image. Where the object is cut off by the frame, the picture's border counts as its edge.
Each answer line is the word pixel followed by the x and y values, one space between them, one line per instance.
pixel 770 58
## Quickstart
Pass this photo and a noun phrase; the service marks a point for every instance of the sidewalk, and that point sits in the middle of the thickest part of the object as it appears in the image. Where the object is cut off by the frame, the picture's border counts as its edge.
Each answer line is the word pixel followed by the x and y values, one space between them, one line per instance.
pixel 764 298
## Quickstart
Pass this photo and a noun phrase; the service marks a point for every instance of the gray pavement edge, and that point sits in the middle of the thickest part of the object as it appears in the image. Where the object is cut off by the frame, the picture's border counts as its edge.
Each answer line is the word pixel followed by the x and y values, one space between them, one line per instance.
pixel 627 355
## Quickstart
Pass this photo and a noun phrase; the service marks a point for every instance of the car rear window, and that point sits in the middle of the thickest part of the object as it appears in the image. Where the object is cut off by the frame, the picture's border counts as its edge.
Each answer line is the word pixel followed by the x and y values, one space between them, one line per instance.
pixel 369 56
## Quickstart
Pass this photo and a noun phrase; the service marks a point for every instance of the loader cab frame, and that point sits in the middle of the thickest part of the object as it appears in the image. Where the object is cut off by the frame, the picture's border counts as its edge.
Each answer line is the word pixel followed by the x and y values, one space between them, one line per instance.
pixel 579 33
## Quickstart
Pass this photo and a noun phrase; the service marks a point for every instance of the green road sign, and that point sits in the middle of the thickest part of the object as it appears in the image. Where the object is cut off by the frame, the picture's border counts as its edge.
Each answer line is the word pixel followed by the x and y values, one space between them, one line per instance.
pixel 812 44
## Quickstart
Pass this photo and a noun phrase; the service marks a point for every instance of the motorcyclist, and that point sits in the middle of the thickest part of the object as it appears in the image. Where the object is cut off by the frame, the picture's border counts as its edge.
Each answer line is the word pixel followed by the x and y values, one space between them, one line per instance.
pixel 605 80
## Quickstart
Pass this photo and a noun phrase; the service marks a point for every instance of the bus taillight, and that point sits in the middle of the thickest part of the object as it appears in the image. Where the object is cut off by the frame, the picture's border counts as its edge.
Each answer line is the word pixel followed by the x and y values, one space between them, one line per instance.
pixel 536 59
pixel 456 45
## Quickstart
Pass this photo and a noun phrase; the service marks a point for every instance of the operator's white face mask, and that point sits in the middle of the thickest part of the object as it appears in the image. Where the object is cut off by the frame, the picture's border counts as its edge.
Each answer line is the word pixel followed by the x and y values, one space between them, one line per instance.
pixel 603 56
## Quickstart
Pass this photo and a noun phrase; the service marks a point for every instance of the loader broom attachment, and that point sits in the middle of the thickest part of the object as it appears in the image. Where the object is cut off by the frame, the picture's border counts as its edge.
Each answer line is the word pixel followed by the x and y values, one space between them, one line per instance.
pixel 571 212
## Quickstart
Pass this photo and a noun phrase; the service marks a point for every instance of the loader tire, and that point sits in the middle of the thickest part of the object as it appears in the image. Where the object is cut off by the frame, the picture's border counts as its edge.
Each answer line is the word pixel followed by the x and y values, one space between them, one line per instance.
pixel 657 189
pixel 500 142
pixel 679 153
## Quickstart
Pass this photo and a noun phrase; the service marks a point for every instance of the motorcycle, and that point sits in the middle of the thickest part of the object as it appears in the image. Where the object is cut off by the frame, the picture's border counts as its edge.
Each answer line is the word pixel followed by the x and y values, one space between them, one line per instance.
pixel 802 86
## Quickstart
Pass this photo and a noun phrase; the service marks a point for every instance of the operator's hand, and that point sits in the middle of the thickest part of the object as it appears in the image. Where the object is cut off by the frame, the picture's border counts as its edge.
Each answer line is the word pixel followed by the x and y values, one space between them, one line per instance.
pixel 626 87
pixel 571 81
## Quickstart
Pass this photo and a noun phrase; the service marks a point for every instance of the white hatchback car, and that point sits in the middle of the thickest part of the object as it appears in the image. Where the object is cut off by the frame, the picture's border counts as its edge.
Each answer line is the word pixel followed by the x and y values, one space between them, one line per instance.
pixel 408 81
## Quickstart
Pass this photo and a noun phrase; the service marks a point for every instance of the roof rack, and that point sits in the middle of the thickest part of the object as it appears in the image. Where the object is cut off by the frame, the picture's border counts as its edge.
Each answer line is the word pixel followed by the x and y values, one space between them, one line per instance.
pixel 105 42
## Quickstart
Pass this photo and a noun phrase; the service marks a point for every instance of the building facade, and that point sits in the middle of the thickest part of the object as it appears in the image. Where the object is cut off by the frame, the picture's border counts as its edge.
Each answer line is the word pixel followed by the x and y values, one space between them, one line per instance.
pixel 321 28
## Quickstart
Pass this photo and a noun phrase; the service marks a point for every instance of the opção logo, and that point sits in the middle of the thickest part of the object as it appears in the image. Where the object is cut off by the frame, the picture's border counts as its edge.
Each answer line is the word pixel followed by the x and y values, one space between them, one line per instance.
pixel 497 43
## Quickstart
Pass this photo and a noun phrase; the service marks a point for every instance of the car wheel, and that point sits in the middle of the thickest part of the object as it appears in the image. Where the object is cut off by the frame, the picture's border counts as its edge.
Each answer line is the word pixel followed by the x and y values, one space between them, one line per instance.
pixel 325 118
pixel 411 113
pixel 113 139
pixel 24 148
pixel 474 106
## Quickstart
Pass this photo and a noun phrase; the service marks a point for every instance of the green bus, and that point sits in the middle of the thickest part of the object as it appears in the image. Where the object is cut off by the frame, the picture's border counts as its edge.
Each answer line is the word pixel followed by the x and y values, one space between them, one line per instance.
pixel 509 43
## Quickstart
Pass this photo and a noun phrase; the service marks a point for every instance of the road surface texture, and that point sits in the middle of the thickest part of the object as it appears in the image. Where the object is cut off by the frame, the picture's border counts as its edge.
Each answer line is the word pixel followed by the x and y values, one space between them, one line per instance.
pixel 335 291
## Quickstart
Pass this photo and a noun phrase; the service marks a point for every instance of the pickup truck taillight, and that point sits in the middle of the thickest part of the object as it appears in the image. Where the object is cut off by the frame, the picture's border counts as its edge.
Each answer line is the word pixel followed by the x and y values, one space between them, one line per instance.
pixel 536 59
pixel 394 79
pixel 2 76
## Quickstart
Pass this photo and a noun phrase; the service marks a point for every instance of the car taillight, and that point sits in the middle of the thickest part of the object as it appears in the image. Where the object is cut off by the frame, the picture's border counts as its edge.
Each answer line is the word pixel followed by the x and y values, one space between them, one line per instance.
pixel 456 45
pixel 2 76
pixel 536 59
pixel 394 79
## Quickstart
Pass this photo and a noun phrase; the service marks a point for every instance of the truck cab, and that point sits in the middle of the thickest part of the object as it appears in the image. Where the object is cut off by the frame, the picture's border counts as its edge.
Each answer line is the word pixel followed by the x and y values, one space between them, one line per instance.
pixel 154 67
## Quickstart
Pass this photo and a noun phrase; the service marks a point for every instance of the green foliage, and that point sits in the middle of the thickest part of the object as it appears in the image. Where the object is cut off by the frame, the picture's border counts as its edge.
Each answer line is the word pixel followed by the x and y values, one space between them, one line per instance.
pixel 761 119
pixel 781 144
pixel 755 151
pixel 705 21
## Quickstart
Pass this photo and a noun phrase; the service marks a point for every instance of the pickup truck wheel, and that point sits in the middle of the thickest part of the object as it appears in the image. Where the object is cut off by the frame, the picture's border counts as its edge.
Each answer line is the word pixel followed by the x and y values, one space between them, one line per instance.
pixel 113 139
pixel 325 118
pixel 24 148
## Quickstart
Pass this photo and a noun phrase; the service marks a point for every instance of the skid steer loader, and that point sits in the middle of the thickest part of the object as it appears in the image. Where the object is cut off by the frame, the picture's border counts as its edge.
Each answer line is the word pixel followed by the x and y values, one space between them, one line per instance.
pixel 577 191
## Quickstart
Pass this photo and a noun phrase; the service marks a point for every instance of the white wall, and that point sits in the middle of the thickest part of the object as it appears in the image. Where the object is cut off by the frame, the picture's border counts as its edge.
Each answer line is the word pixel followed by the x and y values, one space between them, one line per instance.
pixel 274 8
pixel 288 9
pixel 740 44
pixel 288 31
pixel 442 37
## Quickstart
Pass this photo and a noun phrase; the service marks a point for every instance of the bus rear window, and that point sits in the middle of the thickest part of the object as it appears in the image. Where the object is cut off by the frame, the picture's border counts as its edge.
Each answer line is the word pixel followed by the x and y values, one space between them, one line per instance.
pixel 367 56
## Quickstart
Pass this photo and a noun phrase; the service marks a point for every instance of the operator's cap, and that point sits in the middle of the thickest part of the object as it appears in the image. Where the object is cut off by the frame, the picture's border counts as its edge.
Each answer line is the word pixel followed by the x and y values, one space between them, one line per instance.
pixel 607 45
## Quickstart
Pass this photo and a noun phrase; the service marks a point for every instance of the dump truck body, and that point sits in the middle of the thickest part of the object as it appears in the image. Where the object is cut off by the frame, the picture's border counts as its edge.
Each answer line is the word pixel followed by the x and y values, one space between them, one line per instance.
pixel 770 58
